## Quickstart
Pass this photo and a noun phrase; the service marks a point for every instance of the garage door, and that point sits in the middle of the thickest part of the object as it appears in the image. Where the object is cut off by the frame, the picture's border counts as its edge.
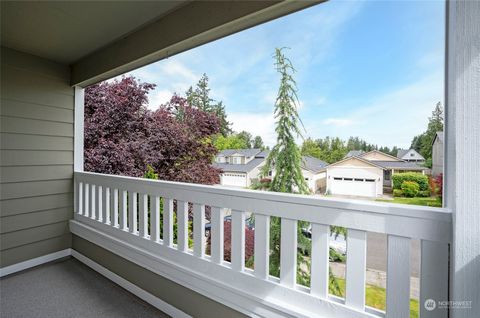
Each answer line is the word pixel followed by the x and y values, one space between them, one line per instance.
pixel 234 179
pixel 355 187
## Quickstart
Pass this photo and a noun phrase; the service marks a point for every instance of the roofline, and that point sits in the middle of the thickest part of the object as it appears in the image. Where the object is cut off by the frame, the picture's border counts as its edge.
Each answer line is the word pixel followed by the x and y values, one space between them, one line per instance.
pixel 359 158
pixel 436 136
pixel 386 154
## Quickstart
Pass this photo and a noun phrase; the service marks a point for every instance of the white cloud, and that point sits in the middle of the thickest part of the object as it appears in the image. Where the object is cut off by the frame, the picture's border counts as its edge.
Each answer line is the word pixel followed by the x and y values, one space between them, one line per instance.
pixel 158 98
pixel 259 124
pixel 391 119
pixel 339 122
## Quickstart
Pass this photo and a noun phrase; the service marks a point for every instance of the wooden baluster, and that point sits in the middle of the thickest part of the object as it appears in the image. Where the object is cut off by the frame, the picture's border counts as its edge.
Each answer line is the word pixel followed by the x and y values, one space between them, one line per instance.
pixel 123 210
pixel 356 269
pixel 86 205
pixel 93 200
pixel 199 230
pixel 320 258
pixel 398 277
pixel 155 218
pixel 132 212
pixel 114 218
pixel 168 222
pixel 106 205
pixel 143 215
pixel 238 240
pixel 182 227
pixel 99 203
pixel 288 253
pixel 262 246
pixel 80 198
pixel 216 234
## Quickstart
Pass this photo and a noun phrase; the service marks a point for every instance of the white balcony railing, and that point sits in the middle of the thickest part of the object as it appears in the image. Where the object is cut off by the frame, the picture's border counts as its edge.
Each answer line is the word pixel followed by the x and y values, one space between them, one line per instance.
pixel 108 214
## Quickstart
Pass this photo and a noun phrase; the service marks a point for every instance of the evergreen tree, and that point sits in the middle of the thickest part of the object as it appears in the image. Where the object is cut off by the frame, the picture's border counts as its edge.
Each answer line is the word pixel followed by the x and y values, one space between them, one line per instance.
pixel 285 158
pixel 423 142
pixel 246 137
pixel 312 149
pixel 258 143
pixel 200 98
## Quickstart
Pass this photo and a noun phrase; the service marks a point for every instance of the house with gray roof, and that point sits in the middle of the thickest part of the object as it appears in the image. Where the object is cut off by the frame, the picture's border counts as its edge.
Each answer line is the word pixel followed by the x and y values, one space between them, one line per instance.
pixel 410 155
pixel 241 167
pixel 437 154
pixel 354 153
pixel 368 174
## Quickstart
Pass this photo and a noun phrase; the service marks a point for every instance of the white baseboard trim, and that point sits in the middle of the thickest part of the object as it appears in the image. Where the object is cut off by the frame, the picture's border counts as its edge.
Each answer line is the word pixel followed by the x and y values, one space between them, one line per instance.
pixel 134 289
pixel 34 262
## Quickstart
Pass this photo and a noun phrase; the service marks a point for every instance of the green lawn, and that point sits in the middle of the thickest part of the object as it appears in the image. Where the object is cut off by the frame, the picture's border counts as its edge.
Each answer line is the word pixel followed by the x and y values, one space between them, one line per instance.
pixel 376 298
pixel 431 201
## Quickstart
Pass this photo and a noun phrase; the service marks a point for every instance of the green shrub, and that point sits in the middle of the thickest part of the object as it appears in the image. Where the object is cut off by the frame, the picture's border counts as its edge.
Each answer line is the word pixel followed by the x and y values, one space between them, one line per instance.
pixel 423 194
pixel 410 188
pixel 397 193
pixel 336 256
pixel 420 179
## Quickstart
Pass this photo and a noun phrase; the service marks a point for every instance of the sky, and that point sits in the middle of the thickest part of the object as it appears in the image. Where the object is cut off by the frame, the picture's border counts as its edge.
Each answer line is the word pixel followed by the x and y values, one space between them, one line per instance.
pixel 373 69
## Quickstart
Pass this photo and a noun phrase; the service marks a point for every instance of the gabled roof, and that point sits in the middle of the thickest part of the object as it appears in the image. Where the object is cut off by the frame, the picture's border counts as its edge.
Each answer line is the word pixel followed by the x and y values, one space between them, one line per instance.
pixel 400 165
pixel 313 164
pixel 245 168
pixel 354 153
pixel 401 153
pixel 371 163
pixel 243 152
pixel 381 153
pixel 439 135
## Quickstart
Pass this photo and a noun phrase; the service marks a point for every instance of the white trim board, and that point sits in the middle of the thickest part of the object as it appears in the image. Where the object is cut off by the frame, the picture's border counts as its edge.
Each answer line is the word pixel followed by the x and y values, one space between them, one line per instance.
pixel 261 299
pixel 134 289
pixel 34 262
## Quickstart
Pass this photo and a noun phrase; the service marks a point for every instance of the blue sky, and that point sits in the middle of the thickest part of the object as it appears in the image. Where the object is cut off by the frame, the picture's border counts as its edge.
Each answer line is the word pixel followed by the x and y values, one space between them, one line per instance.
pixel 372 69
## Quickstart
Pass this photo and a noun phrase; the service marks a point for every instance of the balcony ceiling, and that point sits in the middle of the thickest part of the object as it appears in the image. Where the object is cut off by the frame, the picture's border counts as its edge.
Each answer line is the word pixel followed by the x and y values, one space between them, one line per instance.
pixel 67 31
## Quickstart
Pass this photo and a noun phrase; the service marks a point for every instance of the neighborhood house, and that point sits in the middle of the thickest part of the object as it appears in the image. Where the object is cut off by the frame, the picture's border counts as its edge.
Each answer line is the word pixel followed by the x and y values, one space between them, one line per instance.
pixel 241 167
pixel 364 174
pixel 410 155
pixel 437 154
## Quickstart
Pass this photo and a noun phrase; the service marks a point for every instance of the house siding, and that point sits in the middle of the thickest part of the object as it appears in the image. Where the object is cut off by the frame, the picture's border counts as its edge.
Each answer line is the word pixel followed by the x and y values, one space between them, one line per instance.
pixel 187 300
pixel 437 157
pixel 36 161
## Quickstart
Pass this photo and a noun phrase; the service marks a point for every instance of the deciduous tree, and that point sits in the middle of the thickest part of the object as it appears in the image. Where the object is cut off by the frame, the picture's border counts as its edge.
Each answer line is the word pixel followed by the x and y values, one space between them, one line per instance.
pixel 122 136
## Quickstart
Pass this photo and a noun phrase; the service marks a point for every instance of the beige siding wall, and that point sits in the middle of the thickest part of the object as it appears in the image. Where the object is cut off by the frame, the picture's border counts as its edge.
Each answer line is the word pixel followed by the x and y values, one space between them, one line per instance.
pixel 36 161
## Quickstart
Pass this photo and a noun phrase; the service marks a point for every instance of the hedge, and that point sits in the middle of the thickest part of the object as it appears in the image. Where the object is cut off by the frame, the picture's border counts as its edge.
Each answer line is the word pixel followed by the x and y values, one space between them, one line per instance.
pixel 410 189
pixel 397 193
pixel 399 178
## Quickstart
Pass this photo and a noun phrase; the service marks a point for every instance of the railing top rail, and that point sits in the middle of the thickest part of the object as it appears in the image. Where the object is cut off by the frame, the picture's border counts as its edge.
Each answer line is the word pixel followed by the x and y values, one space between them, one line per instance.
pixel 408 220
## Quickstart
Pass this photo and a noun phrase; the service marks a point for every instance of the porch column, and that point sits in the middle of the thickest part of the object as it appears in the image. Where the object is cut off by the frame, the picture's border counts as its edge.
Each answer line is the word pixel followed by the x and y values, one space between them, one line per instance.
pixel 78 127
pixel 462 153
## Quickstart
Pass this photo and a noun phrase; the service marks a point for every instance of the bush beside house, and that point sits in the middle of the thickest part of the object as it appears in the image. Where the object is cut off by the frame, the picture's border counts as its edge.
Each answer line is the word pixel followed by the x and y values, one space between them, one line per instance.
pixel 411 184
pixel 410 189
pixel 420 179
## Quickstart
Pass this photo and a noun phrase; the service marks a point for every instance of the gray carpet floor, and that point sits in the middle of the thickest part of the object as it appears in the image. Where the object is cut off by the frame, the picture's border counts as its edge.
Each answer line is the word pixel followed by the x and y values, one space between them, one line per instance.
pixel 68 288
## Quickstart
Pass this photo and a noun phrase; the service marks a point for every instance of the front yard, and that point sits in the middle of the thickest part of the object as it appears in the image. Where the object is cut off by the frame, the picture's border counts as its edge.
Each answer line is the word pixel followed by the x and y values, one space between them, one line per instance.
pixel 376 297
pixel 429 201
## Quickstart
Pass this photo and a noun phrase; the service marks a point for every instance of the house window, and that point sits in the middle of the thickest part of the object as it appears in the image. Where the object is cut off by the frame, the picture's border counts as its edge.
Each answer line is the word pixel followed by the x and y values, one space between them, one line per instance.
pixel 337 178
pixel 369 180
pixel 348 179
